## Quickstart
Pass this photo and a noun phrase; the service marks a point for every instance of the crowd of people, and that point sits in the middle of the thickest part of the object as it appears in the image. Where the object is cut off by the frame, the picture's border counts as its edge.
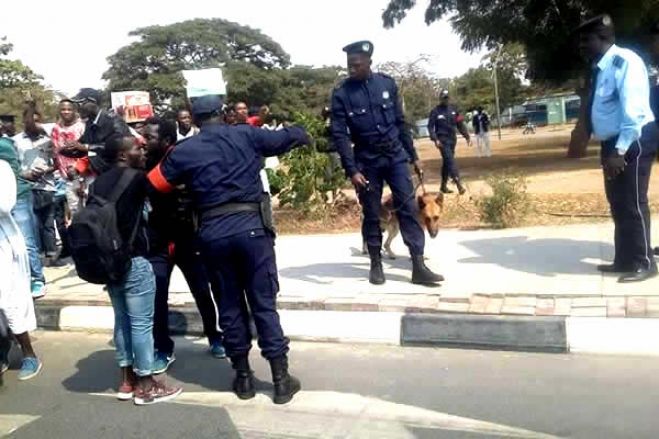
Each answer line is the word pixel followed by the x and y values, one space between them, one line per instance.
pixel 130 202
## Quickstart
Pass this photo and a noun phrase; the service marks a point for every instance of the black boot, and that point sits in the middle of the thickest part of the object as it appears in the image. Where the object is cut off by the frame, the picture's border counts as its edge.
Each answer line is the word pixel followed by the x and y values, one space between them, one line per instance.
pixel 285 385
pixel 421 274
pixel 376 275
pixel 243 383
pixel 444 189
pixel 461 189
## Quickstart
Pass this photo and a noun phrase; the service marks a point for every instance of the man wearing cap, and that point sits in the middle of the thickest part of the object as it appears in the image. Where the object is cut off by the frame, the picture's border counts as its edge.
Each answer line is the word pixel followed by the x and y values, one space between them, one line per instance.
pixel 220 169
pixel 366 112
pixel 621 118
pixel 100 125
pixel 443 122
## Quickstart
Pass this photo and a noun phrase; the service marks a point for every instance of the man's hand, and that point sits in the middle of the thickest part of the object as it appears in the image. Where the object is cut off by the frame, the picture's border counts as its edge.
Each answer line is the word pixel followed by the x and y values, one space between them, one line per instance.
pixel 34 174
pixel 75 146
pixel 438 144
pixel 418 170
pixel 359 181
pixel 614 165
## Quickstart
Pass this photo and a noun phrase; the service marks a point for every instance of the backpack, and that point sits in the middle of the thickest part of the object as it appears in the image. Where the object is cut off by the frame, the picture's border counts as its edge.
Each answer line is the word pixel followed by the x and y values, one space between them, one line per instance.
pixel 99 252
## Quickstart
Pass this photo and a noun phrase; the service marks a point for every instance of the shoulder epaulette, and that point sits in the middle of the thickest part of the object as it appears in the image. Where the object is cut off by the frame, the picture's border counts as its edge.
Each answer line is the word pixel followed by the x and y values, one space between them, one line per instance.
pixel 618 61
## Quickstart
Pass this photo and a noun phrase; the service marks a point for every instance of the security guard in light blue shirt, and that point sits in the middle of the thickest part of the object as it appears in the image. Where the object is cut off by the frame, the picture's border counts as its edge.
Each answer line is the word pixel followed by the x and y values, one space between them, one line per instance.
pixel 366 112
pixel 621 118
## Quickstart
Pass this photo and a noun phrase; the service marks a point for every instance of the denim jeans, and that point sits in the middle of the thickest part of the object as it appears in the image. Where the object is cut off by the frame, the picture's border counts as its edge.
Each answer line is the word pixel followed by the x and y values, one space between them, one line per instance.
pixel 133 302
pixel 24 216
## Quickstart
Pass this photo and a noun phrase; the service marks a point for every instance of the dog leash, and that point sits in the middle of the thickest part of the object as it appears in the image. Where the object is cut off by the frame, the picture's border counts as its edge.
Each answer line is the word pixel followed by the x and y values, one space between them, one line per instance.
pixel 411 196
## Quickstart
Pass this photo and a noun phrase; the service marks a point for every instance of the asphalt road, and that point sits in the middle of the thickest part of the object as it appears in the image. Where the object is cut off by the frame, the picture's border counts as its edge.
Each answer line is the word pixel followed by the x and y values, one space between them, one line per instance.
pixel 349 391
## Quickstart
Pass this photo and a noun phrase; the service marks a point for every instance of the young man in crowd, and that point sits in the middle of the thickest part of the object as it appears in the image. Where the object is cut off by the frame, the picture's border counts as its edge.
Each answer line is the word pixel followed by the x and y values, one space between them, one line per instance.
pixel 185 127
pixel 68 129
pixel 133 296
pixel 172 241
pixel 242 112
pixel 481 124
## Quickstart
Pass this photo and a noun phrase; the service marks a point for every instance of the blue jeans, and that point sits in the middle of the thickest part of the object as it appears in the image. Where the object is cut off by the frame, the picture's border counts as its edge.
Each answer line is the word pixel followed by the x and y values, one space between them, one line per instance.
pixel 23 214
pixel 133 302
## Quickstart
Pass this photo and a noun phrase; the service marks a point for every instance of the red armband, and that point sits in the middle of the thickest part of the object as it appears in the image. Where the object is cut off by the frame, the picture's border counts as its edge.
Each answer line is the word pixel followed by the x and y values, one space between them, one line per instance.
pixel 159 181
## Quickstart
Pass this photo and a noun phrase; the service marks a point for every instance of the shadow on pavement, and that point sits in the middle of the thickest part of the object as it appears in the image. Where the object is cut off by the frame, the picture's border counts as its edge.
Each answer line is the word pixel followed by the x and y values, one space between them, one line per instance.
pixel 545 257
pixel 92 374
pixel 316 272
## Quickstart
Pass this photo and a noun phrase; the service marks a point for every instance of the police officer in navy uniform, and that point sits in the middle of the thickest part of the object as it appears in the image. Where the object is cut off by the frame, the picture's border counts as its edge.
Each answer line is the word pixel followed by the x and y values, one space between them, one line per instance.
pixel 443 122
pixel 621 118
pixel 654 90
pixel 366 112
pixel 220 167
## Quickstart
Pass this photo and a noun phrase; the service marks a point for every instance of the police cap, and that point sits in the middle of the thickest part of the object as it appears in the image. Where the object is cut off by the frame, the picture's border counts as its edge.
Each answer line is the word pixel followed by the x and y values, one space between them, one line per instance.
pixel 601 25
pixel 88 95
pixel 443 94
pixel 365 47
pixel 207 105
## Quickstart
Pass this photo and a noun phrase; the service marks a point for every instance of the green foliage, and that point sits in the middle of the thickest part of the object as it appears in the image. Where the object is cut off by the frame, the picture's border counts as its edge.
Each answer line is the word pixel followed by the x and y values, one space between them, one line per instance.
pixel 543 27
pixel 309 180
pixel 509 203
pixel 17 82
pixel 154 61
pixel 255 67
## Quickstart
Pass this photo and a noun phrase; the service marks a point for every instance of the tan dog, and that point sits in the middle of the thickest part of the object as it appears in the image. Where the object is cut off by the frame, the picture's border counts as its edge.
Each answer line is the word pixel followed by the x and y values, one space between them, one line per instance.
pixel 430 209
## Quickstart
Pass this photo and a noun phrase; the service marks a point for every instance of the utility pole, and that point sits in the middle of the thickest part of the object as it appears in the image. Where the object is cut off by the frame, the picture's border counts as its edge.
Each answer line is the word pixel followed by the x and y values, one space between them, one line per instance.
pixel 496 89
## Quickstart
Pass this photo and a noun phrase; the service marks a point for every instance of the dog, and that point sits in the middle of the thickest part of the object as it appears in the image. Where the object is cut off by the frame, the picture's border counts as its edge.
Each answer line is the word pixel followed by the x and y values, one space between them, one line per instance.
pixel 430 209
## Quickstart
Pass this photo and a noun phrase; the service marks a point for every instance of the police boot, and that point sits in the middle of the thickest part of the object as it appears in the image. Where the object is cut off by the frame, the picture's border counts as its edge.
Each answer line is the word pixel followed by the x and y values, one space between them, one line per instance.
pixel 444 189
pixel 421 274
pixel 285 385
pixel 376 275
pixel 461 189
pixel 243 383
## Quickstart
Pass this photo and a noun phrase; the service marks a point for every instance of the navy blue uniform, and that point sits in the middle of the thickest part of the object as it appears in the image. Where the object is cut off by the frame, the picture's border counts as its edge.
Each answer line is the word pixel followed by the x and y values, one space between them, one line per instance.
pixel 443 122
pixel 368 115
pixel 221 165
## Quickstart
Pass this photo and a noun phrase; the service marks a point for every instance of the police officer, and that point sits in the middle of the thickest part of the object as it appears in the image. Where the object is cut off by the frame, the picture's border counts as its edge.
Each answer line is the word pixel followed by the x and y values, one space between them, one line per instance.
pixel 621 118
pixel 172 241
pixel 443 122
pixel 366 111
pixel 654 90
pixel 220 167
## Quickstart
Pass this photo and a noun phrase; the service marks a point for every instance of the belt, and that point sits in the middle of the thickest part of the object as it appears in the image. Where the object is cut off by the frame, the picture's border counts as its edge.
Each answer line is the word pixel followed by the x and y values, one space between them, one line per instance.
pixel 225 209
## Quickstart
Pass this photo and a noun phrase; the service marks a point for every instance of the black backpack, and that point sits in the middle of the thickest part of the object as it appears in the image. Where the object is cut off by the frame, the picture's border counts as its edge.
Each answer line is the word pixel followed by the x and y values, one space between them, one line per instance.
pixel 99 252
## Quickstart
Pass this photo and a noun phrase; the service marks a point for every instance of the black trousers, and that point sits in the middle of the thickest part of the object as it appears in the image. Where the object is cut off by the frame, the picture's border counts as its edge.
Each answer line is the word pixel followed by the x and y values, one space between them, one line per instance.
pixel 627 195
pixel 60 223
pixel 44 211
pixel 244 268
pixel 186 256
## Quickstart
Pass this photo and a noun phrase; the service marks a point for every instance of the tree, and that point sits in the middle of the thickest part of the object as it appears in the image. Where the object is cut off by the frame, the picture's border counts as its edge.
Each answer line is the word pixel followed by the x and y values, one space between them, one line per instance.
pixel 545 28
pixel 416 87
pixel 155 61
pixel 18 82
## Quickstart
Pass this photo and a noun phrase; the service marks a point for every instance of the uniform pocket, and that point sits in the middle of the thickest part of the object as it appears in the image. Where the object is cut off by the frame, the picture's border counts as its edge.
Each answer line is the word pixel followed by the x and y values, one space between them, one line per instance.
pixel 274 280
pixel 359 119
pixel 389 111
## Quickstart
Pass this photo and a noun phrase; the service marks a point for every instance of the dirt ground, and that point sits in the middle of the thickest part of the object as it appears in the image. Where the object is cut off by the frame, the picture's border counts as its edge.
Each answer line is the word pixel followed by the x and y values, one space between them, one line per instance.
pixel 562 190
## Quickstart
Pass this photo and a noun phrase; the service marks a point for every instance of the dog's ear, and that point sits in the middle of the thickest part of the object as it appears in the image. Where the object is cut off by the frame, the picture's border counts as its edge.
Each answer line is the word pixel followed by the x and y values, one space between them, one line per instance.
pixel 440 199
pixel 420 201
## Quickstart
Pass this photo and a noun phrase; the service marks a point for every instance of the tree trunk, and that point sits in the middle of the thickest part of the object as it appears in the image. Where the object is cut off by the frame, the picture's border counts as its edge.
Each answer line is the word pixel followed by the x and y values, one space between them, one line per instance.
pixel 580 135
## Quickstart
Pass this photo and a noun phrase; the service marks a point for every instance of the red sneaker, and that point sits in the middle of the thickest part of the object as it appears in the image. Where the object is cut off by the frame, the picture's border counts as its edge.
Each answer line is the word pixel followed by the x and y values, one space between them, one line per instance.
pixel 159 392
pixel 125 391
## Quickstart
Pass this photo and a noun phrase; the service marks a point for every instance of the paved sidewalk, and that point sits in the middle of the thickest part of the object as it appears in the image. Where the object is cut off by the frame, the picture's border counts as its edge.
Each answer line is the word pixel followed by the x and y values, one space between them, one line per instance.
pixel 534 271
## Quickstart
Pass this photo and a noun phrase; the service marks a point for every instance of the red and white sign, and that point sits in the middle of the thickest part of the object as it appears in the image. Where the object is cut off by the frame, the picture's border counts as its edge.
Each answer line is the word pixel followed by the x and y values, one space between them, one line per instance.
pixel 133 106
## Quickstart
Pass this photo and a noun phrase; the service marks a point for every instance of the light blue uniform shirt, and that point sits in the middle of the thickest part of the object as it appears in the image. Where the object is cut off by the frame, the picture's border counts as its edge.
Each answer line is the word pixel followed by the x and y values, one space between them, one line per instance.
pixel 621 104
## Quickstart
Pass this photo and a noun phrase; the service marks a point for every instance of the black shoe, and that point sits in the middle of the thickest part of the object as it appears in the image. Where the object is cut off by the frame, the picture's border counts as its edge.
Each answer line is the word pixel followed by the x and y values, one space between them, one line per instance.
pixel 376 274
pixel 638 275
pixel 461 189
pixel 421 274
pixel 611 268
pixel 243 383
pixel 445 190
pixel 285 385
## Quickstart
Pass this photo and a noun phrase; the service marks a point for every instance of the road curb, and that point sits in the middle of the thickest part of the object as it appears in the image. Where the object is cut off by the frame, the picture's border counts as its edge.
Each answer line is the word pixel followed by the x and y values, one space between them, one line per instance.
pixel 469 331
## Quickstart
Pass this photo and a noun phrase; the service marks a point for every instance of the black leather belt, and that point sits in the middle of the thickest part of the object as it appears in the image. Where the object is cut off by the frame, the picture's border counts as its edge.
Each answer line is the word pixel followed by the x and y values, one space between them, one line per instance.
pixel 225 209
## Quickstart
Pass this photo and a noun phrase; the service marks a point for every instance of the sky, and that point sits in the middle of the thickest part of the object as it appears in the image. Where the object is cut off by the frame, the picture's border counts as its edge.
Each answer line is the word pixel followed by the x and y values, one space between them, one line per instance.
pixel 67 42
